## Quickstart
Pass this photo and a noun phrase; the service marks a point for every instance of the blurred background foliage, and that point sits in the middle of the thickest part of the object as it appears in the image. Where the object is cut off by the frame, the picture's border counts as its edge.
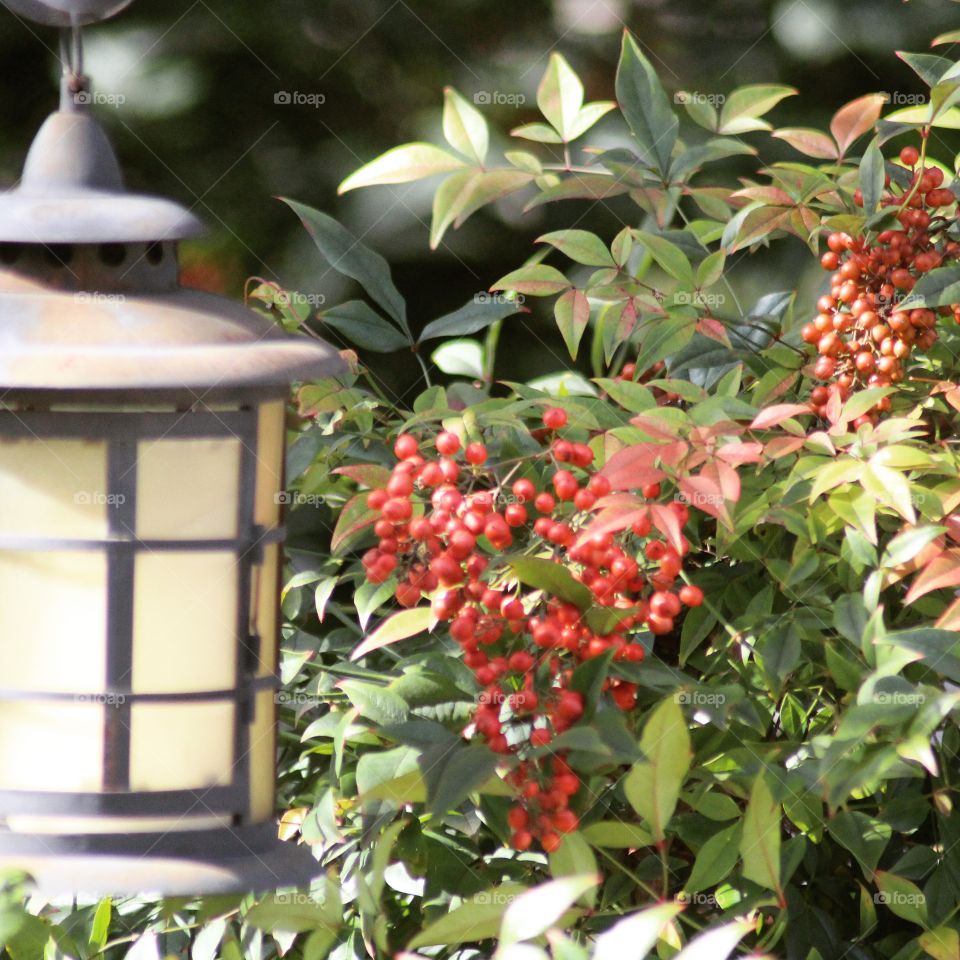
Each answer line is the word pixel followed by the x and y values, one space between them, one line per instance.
pixel 200 118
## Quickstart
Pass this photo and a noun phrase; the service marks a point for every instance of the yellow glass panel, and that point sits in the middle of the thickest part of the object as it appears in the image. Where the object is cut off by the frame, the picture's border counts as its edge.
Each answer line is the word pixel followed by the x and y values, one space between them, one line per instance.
pixel 266 585
pixel 271 447
pixel 51 746
pixel 181 746
pixel 53 488
pixel 263 758
pixel 184 622
pixel 188 489
pixel 53 621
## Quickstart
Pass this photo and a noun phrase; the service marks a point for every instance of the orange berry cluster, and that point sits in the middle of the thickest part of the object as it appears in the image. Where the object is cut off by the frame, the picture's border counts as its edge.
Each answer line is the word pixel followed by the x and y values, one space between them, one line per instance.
pixel 446 519
pixel 862 336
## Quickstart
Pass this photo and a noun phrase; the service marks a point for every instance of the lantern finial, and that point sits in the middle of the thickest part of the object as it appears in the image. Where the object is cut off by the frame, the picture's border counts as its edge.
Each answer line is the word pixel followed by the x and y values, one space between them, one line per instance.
pixel 66 13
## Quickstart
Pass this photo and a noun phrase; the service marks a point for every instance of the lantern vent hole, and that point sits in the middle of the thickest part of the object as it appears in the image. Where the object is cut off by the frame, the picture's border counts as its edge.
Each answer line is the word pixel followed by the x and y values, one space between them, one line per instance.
pixel 10 253
pixel 155 254
pixel 112 254
pixel 58 254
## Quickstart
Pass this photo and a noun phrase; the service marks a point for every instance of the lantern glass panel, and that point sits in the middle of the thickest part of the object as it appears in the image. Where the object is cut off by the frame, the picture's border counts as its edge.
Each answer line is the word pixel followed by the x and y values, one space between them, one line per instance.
pixel 187 489
pixel 181 746
pixel 51 652
pixel 185 621
pixel 53 488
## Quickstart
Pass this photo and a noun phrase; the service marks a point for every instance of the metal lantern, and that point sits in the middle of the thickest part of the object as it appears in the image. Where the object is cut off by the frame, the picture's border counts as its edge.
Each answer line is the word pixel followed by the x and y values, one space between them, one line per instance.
pixel 141 450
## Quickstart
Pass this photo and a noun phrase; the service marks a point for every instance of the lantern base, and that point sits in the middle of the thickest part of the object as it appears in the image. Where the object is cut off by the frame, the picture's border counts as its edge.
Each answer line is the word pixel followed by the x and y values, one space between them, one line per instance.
pixel 177 863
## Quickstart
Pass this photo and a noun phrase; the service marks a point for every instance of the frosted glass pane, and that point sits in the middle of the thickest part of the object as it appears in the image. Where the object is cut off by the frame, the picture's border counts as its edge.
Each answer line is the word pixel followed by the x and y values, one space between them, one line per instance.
pixel 53 488
pixel 184 622
pixel 271 446
pixel 53 614
pixel 263 758
pixel 51 746
pixel 266 582
pixel 181 746
pixel 187 489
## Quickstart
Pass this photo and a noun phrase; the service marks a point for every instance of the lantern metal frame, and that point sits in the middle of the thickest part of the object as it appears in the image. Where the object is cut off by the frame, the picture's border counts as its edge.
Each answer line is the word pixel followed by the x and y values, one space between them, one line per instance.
pixel 140 341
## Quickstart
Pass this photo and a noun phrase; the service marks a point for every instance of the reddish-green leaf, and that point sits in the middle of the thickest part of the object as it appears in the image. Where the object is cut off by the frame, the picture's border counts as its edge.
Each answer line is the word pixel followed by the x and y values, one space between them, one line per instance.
pixel 400 626
pixel 411 161
pixel 538 280
pixel 856 118
pixel 572 312
pixel 812 143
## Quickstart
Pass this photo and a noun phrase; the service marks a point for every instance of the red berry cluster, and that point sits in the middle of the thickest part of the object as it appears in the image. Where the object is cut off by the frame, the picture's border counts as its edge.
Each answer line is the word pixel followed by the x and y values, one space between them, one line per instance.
pixel 444 519
pixel 862 336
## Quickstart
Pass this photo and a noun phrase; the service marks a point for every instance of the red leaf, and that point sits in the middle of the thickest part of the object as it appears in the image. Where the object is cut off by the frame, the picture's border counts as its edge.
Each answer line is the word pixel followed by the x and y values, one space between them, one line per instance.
pixel 950 618
pixel 703 493
pixel 369 474
pixel 728 479
pixel 775 415
pixel 354 516
pixel 942 571
pixel 665 520
pixel 739 453
pixel 783 446
pixel 653 427
pixel 714 329
pixel 616 513
pixel 856 118
pixel 633 466
pixel 813 143
pixel 399 626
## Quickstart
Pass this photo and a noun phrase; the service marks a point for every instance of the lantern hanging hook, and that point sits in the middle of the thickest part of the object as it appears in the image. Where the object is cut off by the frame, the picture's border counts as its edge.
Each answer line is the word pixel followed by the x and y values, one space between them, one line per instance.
pixel 74 84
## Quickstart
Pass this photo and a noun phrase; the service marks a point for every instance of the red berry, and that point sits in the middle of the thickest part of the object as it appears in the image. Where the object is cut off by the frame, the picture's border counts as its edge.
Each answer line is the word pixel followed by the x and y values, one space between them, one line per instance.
pixel 554 418
pixel 909 156
pixel 691 596
pixel 405 446
pixel 476 453
pixel 550 842
pixel 447 443
pixel 521 840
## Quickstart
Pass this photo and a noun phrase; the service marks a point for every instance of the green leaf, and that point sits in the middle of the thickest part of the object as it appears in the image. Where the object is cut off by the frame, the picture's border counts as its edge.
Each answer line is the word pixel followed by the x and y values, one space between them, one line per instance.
pixel 935 289
pixel 872 173
pixel 465 770
pixel 538 132
pixel 537 280
pixel 715 860
pixel 574 858
pixel 580 246
pixel 378 704
pixel 943 943
pixel 812 143
pixel 929 67
pixel 284 913
pixel 475 315
pixel 460 358
pixel 901 897
pixel 669 257
pixel 760 845
pixel 588 116
pixel 476 919
pixel 560 96
pixel 742 108
pixel 411 161
pixel 865 837
pixel 572 312
pixel 347 255
pixel 553 578
pixel 100 930
pixel 363 326
pixel 399 626
pixel 710 269
pixel 617 835
pixel 464 126
pixel 645 106
pixel 463 193
pixel 905 546
pixel 653 784
pixel 538 909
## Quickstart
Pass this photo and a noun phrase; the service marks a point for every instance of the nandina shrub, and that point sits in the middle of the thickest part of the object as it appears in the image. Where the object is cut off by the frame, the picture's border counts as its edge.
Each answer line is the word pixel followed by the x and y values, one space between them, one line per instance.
pixel 656 662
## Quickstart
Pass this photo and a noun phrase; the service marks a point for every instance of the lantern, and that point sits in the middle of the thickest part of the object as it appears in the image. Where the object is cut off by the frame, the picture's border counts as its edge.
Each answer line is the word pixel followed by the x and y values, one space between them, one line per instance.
pixel 141 450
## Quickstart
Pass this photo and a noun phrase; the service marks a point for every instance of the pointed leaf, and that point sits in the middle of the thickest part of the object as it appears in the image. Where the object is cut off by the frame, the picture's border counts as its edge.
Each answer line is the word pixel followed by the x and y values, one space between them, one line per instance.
pixel 760 845
pixel 669 257
pixel 399 626
pixel 745 104
pixel 588 116
pixel 363 326
pixel 856 118
pixel 812 143
pixel 634 936
pixel 653 784
pixel 538 909
pixel 645 106
pixel 475 315
pixel 347 255
pixel 572 312
pixel 411 161
pixel 464 126
pixel 580 246
pixel 560 96
pixel 538 280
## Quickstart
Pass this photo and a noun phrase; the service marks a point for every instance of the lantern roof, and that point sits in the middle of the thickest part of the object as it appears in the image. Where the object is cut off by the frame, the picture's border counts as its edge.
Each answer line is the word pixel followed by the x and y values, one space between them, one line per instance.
pixel 89 293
